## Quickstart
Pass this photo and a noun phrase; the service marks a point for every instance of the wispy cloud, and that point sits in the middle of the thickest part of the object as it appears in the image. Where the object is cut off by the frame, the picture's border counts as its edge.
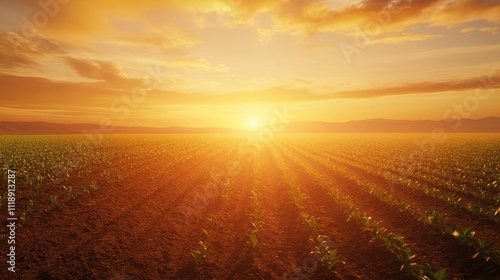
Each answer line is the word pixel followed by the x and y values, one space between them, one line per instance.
pixel 100 70
pixel 17 51
pixel 424 87
pixel 226 52
pixel 401 38
pixel 492 30
pixel 53 93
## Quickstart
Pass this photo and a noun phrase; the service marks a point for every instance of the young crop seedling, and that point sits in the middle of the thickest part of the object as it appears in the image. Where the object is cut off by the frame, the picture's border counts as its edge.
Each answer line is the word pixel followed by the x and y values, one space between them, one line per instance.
pixel 435 218
pixel 53 200
pixel 69 192
pixel 25 216
pixel 466 236
pixel 494 256
pixel 93 185
pixel 496 215
pixel 298 198
pixel 309 220
pixel 200 255
pixel 85 189
pixel 434 275
pixel 481 247
pixel 323 252
pixel 257 225
pixel 257 214
pixel 254 240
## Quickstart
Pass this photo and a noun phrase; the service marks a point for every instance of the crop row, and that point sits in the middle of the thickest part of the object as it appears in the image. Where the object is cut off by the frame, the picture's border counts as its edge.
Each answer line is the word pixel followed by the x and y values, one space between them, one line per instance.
pixel 391 241
pixel 433 218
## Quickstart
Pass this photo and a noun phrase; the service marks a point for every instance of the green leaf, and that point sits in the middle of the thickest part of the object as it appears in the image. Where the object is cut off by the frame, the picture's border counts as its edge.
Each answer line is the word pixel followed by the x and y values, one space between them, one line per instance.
pixel 254 240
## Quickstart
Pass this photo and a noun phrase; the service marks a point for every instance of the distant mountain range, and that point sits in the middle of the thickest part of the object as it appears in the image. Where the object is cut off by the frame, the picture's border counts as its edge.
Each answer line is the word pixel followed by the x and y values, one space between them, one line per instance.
pixel 485 125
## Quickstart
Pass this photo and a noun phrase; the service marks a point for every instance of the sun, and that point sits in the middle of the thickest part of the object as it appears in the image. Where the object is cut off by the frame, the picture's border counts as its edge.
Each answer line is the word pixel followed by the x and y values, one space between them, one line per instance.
pixel 253 123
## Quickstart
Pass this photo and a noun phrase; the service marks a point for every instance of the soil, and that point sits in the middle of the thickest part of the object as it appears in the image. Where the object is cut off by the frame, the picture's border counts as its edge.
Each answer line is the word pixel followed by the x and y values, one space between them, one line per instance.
pixel 146 224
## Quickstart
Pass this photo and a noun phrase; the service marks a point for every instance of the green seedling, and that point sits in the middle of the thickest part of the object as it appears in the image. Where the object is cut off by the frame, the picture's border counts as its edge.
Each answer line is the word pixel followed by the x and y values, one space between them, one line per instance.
pixel 200 255
pixel 481 247
pixel 309 220
pixel 254 240
pixel 69 192
pixel 495 213
pixel 257 214
pixel 466 236
pixel 105 173
pixel 475 208
pixel 257 225
pixel 299 198
pixel 434 275
pixel 53 200
pixel 31 206
pixel 85 189
pixel 435 218
pixel 494 256
pixel 396 244
pixel 25 216
pixel 327 255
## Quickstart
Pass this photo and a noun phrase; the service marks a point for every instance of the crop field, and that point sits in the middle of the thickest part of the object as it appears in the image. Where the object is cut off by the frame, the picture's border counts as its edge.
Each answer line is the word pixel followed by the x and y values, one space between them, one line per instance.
pixel 235 206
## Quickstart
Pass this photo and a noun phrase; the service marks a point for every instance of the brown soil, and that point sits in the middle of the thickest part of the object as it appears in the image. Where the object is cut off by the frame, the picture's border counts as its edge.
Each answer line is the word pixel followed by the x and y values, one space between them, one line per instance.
pixel 146 224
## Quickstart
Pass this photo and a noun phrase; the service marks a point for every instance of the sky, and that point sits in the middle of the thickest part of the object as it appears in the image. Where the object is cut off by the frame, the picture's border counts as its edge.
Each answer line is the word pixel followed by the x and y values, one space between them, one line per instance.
pixel 235 63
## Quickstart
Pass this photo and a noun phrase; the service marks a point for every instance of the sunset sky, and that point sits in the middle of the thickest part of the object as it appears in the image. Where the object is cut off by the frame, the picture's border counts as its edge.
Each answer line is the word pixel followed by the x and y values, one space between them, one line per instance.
pixel 230 63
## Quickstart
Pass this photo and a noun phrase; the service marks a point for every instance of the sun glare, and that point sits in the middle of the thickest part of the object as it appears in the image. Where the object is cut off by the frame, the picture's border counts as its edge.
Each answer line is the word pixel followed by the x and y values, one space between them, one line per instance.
pixel 253 123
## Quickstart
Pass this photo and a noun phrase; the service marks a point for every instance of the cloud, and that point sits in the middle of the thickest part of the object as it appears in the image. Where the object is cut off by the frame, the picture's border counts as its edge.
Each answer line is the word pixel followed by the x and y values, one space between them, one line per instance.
pixel 401 38
pixel 492 30
pixel 100 70
pixel 426 87
pixel 284 94
pixel 468 29
pixel 169 40
pixel 197 64
pixel 451 13
pixel 81 18
pixel 309 17
pixel 306 17
pixel 53 94
pixel 318 47
pixel 17 51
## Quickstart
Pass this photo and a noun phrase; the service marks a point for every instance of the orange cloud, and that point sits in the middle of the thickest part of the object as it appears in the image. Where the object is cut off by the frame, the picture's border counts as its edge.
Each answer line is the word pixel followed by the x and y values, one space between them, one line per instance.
pixel 315 16
pixel 55 95
pixel 168 39
pixel 195 64
pixel 457 12
pixel 318 47
pixel 427 87
pixel 492 30
pixel 16 51
pixel 75 18
pixel 401 38
pixel 100 70
pixel 50 94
